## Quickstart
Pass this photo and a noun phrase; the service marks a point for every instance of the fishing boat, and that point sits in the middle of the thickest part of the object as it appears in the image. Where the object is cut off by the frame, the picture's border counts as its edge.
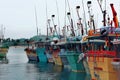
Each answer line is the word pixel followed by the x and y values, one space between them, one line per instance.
pixel 62 45
pixel 103 51
pixel 31 54
pixel 72 44
pixel 56 51
pixel 101 54
pixel 30 51
pixel 54 38
pixel 48 52
pixel 3 47
pixel 3 52
pixel 75 56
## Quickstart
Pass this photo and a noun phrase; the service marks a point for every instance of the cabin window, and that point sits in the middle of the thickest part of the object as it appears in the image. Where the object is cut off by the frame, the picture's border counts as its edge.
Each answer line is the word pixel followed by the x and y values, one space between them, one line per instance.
pixel 41 45
pixel 71 47
pixel 78 47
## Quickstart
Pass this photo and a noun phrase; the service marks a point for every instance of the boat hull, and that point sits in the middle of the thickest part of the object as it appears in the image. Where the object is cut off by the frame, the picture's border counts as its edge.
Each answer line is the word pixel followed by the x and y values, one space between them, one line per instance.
pixel 102 69
pixel 41 54
pixel 49 57
pixel 64 59
pixel 56 57
pixel 32 56
pixel 3 52
pixel 73 62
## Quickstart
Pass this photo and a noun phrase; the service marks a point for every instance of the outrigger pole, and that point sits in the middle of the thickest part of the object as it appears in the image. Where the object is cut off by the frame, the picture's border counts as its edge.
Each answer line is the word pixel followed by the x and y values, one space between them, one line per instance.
pixel 53 16
pixel 71 23
pixel 91 22
pixel 103 12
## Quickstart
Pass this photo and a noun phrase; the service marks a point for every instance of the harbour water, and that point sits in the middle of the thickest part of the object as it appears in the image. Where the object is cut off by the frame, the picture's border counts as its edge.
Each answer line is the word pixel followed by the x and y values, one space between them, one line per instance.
pixel 18 68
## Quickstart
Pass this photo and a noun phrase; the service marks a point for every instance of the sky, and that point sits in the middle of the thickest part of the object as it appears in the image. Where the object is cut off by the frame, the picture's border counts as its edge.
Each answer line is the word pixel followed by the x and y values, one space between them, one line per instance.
pixel 18 16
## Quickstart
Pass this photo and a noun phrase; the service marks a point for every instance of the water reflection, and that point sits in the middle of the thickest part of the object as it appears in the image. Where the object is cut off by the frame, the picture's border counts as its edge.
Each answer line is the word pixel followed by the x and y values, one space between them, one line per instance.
pixel 17 55
pixel 19 69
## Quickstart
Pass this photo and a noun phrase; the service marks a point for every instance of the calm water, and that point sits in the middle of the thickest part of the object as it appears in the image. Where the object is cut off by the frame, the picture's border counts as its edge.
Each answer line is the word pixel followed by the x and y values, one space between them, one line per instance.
pixel 18 68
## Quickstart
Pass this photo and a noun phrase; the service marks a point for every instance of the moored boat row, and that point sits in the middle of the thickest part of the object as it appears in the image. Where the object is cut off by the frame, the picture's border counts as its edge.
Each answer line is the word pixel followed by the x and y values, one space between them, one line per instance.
pixel 95 53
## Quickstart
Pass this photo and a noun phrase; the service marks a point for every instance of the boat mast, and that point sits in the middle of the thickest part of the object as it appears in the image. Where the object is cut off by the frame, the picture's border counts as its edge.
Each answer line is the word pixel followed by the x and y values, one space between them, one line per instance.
pixel 84 16
pixel 36 19
pixel 64 28
pixel 58 17
pixel 46 19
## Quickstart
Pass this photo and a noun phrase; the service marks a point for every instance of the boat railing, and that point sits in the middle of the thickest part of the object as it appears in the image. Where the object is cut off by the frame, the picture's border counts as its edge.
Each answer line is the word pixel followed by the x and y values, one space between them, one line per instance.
pixel 112 31
pixel 99 54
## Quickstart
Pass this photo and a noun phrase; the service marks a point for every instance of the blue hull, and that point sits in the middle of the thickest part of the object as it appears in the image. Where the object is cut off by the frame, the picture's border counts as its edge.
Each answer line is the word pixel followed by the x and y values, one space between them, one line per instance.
pixel 41 54
pixel 33 58
pixel 49 57
pixel 64 59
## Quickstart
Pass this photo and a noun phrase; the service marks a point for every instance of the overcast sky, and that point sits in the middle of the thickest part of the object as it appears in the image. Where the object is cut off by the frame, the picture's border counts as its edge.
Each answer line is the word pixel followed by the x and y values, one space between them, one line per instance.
pixel 18 16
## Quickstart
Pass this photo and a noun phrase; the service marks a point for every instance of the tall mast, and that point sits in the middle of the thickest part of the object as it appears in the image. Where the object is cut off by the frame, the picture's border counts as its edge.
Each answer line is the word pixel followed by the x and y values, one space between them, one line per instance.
pixel 103 11
pixel 46 18
pixel 58 17
pixel 36 20
pixel 2 32
pixel 84 16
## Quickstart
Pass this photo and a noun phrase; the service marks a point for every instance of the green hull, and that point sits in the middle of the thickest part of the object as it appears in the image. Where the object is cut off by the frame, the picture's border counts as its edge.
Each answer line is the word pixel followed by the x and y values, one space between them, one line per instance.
pixel 73 62
pixel 2 55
